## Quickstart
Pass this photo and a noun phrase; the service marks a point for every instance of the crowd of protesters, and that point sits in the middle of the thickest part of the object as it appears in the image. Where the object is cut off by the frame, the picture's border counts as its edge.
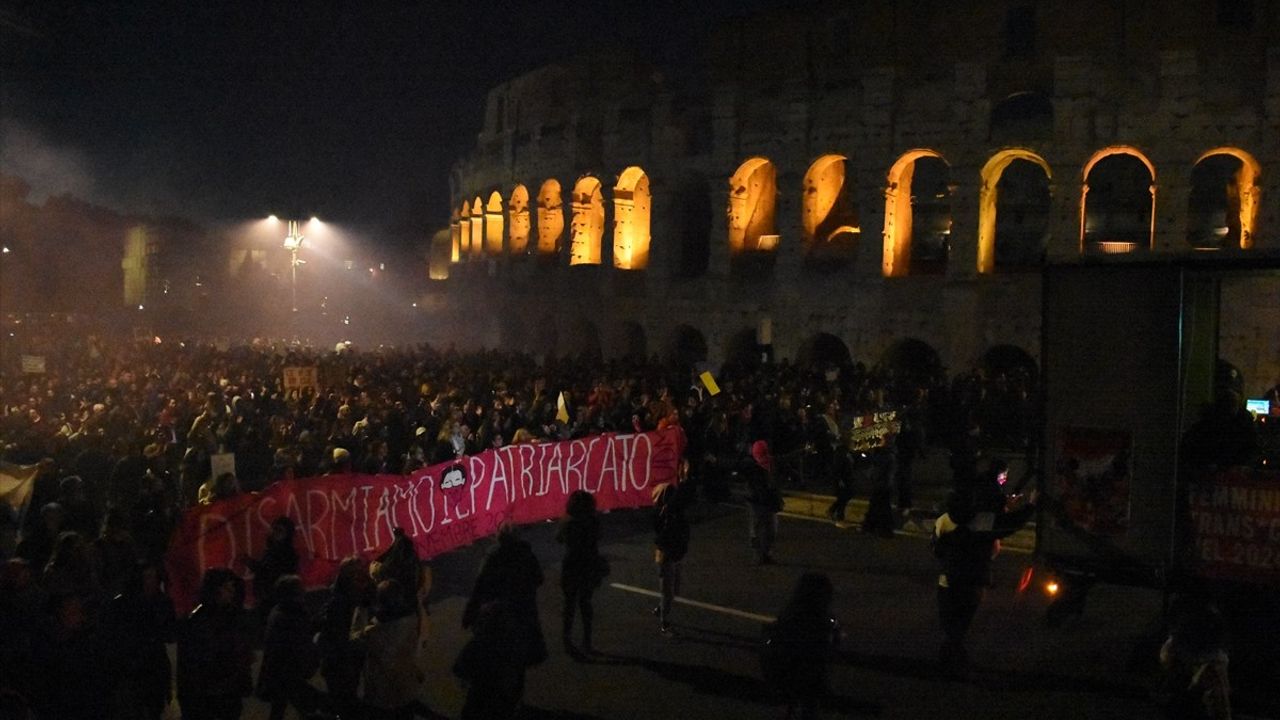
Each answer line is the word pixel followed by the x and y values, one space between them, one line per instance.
pixel 127 434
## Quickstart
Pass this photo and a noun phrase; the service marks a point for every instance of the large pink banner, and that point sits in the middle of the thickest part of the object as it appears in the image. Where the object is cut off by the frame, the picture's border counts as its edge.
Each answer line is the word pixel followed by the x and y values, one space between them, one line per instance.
pixel 441 507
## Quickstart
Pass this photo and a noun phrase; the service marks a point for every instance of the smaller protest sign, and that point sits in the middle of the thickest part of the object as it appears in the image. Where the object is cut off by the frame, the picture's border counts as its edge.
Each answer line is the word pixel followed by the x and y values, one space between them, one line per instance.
pixel 222 463
pixel 299 377
pixel 874 431
pixel 710 382
pixel 33 364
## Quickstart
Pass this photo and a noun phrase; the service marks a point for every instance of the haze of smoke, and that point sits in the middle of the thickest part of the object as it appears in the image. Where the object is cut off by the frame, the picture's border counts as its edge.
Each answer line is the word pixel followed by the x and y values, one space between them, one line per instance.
pixel 48 168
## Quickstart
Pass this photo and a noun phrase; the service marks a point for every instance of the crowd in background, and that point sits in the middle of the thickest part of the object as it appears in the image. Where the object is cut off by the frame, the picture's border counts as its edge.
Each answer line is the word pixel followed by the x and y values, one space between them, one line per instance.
pixel 126 433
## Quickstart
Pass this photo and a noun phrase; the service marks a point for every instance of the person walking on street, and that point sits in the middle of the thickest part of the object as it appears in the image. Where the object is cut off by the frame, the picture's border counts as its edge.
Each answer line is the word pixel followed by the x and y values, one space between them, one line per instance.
pixel 670 545
pixel 583 568
pixel 799 646
pixel 965 540
pixel 289 656
pixel 764 500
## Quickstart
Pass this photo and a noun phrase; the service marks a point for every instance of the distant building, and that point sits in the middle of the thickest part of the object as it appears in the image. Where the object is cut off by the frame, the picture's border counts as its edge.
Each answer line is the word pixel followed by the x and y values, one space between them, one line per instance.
pixel 864 179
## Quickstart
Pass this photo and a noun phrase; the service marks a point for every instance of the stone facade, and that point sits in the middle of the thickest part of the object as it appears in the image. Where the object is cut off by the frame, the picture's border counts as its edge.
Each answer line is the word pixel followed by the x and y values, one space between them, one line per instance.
pixel 1165 83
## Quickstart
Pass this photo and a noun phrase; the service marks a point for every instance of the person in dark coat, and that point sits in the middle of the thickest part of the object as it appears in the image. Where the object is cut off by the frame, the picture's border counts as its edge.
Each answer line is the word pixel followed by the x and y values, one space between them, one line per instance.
pixel 493 675
pixel 289 657
pixel 670 545
pixel 511 574
pixel 341 659
pixel 965 541
pixel 800 646
pixel 582 569
pixel 764 500
pixel 215 657
pixel 278 559
pixel 140 620
pixel 71 668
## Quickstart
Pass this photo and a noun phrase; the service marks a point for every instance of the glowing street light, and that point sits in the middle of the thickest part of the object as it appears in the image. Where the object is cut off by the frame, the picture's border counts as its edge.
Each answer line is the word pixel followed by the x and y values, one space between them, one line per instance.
pixel 293 243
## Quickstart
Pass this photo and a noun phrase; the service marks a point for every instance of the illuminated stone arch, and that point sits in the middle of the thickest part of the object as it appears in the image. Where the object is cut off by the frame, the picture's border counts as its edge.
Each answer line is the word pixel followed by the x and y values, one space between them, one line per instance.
pixel 550 218
pixel 464 231
pixel 586 228
pixel 441 253
pixel 1123 216
pixel 493 223
pixel 518 214
pixel 455 235
pixel 477 226
pixel 828 216
pixel 631 220
pixel 988 204
pixel 902 228
pixel 1224 179
pixel 753 199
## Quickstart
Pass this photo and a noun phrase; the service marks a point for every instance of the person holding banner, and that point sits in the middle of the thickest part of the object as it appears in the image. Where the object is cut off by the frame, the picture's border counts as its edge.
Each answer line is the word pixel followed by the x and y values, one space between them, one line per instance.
pixel 764 500
pixel 671 544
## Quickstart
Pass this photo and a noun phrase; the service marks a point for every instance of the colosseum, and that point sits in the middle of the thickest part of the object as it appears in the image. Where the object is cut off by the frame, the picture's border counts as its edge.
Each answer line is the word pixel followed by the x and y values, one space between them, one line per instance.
pixel 859 180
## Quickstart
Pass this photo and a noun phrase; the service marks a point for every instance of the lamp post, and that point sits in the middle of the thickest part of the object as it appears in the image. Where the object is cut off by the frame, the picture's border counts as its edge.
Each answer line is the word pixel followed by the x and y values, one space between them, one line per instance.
pixel 293 243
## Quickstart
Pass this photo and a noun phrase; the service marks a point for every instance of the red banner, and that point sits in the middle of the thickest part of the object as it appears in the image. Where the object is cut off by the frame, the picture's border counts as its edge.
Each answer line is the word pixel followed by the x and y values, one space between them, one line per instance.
pixel 441 508
pixel 1235 516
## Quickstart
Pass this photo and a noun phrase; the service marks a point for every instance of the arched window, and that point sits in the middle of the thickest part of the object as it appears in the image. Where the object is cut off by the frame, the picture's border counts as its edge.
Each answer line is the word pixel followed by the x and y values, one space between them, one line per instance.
pixel 550 218
pixel 631 208
pixel 493 224
pixel 477 226
pixel 1013 210
pixel 518 212
pixel 753 197
pixel 441 253
pixel 687 346
pixel 586 229
pixel 1118 202
pixel 1222 209
pixel 464 231
pixel 917 214
pixel 828 214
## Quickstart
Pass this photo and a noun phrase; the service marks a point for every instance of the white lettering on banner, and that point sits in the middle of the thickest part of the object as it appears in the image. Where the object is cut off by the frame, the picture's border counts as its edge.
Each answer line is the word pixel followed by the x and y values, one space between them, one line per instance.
pixel 609 464
pixel 591 446
pixel 364 515
pixel 476 477
pixel 313 522
pixel 648 460
pixel 335 501
pixel 545 485
pixel 624 467
pixel 499 476
pixel 557 465
pixel 526 470
pixel 571 467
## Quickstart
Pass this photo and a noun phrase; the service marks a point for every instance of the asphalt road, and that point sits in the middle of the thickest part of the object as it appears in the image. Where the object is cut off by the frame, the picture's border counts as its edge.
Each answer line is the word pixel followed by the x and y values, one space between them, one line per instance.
pixel 1099 665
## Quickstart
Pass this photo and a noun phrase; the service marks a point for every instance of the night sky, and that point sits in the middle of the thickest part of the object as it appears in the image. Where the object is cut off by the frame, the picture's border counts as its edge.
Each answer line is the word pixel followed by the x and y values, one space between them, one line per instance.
pixel 227 111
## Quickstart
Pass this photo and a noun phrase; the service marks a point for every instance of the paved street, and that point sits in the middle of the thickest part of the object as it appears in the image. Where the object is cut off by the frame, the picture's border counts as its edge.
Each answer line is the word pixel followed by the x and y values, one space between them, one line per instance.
pixel 884 600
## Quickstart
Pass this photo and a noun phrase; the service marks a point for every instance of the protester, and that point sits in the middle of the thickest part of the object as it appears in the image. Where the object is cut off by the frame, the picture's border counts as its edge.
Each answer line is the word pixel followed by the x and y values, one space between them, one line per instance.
pixel 512 574
pixel 1196 684
pixel 965 541
pixel 583 568
pixel 392 675
pixel 215 656
pixel 279 558
pixel 140 621
pixel 289 656
pixel 799 646
pixel 671 544
pixel 341 659
pixel 764 500
pixel 493 675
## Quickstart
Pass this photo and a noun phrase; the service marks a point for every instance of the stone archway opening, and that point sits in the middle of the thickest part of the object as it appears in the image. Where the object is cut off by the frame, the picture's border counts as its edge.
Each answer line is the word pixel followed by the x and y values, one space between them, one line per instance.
pixel 1118 202
pixel 1013 211
pixel 583 340
pixel 545 340
pixel 829 214
pixel 917 218
pixel 477 226
pixel 753 199
pixel 493 224
pixel 631 217
pixel 914 361
pixel 550 219
pixel 741 349
pixel 633 344
pixel 1222 207
pixel 688 346
pixel 518 214
pixel 1008 360
pixel 825 350
pixel 586 228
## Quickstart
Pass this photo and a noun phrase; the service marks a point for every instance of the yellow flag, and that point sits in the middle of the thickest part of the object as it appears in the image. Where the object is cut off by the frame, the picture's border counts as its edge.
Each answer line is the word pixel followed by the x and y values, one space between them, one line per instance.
pixel 562 410
pixel 710 382
pixel 16 483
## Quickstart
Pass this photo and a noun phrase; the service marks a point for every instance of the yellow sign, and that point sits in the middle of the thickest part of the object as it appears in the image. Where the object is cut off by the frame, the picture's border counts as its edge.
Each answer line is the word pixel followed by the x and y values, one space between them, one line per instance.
pixel 562 410
pixel 710 382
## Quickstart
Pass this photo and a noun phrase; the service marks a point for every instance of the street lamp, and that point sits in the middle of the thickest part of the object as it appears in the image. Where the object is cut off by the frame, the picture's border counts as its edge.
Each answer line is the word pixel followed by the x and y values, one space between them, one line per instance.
pixel 293 243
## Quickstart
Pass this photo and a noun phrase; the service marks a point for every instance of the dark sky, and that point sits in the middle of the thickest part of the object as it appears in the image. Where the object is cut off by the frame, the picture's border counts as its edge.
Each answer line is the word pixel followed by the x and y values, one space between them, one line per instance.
pixel 224 111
